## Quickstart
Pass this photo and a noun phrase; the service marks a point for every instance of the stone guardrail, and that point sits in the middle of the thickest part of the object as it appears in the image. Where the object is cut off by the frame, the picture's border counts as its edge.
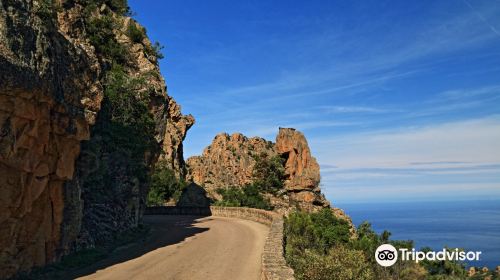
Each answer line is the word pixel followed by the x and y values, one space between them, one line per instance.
pixel 273 266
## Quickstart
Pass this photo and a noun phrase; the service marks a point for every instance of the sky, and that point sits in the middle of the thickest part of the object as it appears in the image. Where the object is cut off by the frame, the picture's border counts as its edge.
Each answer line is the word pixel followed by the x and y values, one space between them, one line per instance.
pixel 399 100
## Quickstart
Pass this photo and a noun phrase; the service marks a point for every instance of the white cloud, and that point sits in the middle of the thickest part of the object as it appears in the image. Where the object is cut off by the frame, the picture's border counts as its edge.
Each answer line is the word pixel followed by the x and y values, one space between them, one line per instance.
pixel 442 161
pixel 472 142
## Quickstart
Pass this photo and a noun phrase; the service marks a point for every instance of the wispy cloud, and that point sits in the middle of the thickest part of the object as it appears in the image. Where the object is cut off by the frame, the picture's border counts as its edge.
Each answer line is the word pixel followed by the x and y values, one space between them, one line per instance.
pixel 364 70
pixel 340 72
pixel 454 100
pixel 353 109
pixel 461 157
pixel 483 18
pixel 473 141
pixel 380 102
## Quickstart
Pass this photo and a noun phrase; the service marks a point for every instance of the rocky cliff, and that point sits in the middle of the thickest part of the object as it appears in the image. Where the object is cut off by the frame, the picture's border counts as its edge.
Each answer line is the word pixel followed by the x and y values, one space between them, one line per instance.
pixel 175 133
pixel 230 160
pixel 84 114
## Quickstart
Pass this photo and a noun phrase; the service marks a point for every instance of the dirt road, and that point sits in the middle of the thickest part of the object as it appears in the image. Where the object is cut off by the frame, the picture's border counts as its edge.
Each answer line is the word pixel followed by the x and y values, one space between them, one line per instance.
pixel 185 247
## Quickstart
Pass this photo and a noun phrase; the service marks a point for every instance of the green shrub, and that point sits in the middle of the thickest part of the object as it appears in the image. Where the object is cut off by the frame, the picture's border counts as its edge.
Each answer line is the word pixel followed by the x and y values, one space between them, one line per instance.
pixel 312 245
pixel 318 231
pixel 101 36
pixel 268 173
pixel 338 263
pixel 163 185
pixel 119 6
pixel 136 34
pixel 320 246
pixel 123 137
pixel 268 177
pixel 248 196
pixel 154 50
pixel 45 10
pixel 444 269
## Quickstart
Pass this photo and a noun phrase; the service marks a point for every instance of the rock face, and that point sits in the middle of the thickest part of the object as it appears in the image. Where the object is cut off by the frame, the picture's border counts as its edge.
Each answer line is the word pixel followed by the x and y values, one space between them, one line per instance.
pixel 44 115
pixel 175 132
pixel 301 169
pixel 193 196
pixel 229 161
pixel 53 138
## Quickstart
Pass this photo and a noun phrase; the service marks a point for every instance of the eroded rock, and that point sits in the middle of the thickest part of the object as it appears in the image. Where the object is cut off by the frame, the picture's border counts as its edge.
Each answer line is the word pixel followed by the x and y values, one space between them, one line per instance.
pixel 51 95
pixel 230 159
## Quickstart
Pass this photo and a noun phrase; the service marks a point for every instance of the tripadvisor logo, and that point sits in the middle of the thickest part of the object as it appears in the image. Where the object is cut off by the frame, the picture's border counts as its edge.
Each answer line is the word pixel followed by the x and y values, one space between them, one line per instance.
pixel 387 255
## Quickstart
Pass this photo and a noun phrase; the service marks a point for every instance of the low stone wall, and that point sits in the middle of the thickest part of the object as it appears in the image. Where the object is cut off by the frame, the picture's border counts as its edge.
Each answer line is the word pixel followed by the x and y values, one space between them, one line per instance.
pixel 273 262
pixel 173 210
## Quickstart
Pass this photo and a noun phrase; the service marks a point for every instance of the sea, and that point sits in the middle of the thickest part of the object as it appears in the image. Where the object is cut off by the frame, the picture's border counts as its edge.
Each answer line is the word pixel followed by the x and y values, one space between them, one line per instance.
pixel 472 225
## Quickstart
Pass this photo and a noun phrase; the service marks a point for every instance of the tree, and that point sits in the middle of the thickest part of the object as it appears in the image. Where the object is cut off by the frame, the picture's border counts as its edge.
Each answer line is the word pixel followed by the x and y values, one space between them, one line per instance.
pixel 248 196
pixel 445 269
pixel 268 173
pixel 163 185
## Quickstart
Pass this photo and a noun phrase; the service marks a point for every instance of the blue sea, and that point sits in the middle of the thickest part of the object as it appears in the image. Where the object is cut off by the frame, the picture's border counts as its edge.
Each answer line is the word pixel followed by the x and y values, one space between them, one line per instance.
pixel 472 225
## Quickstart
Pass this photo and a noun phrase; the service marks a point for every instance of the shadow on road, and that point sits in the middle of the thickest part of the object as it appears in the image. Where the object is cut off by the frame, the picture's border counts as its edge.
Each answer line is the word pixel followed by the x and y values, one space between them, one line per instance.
pixel 165 230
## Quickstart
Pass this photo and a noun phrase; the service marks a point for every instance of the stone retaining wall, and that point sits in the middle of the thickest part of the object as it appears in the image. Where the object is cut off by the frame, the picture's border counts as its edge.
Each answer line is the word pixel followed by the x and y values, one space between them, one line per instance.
pixel 173 210
pixel 273 262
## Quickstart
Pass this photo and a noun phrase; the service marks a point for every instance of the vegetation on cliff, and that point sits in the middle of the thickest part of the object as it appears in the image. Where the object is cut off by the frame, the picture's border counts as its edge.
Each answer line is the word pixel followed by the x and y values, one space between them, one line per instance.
pixel 320 246
pixel 121 152
pixel 324 242
pixel 248 196
pixel 269 173
pixel 164 185
pixel 268 178
pixel 125 129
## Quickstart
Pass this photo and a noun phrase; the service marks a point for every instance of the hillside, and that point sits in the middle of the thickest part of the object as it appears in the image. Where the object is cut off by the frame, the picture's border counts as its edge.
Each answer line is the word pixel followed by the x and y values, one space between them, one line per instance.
pixel 84 114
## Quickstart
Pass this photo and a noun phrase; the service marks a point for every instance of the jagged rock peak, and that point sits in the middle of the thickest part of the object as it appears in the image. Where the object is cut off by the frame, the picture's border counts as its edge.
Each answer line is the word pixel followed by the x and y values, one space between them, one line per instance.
pixel 177 126
pixel 301 168
pixel 230 159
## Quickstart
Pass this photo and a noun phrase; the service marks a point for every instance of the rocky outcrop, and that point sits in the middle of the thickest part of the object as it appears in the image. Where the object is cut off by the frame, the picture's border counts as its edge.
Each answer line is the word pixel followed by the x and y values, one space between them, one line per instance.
pixel 55 129
pixel 193 196
pixel 175 132
pixel 230 160
pixel 301 170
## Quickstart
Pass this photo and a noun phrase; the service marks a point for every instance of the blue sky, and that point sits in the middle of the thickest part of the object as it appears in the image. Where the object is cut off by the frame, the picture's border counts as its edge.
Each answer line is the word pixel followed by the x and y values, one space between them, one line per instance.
pixel 400 100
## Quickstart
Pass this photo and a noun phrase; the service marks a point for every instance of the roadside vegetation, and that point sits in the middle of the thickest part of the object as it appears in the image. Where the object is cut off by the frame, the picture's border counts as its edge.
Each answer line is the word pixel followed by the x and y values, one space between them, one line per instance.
pixel 248 196
pixel 268 177
pixel 320 246
pixel 125 126
pixel 164 186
